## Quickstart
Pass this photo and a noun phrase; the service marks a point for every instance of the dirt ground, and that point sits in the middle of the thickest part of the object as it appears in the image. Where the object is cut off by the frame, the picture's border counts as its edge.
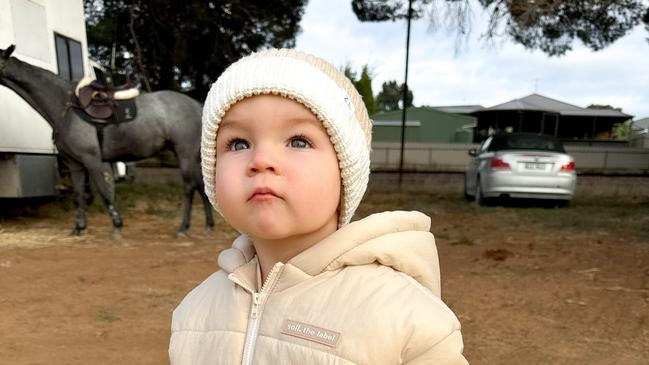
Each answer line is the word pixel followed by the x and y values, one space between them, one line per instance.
pixel 531 285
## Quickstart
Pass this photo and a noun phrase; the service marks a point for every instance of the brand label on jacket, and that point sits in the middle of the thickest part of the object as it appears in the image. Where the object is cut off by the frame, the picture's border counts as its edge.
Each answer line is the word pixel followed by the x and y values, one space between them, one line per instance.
pixel 311 333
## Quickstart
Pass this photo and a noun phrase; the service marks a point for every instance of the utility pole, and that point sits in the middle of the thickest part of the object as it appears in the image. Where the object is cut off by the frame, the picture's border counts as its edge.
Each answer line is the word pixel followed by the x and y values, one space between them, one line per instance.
pixel 405 95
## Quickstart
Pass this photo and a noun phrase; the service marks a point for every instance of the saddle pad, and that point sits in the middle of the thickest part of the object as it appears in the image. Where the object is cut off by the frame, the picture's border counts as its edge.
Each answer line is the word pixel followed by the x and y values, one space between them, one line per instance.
pixel 121 111
pixel 124 110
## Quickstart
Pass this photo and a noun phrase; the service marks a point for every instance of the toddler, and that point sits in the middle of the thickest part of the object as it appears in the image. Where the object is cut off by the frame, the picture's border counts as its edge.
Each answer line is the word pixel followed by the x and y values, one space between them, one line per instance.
pixel 285 156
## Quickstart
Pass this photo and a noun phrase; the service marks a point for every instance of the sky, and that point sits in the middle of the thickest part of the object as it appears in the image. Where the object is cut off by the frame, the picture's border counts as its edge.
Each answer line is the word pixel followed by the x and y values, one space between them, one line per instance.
pixel 478 73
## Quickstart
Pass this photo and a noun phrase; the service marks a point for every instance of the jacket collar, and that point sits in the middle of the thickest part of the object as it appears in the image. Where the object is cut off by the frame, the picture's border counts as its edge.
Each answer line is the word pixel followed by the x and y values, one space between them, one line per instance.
pixel 320 256
pixel 240 260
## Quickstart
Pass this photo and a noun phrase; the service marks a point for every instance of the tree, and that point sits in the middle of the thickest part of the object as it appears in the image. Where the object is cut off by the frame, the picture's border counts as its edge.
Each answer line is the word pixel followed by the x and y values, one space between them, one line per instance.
pixel 603 107
pixel 622 131
pixel 363 85
pixel 381 10
pixel 390 96
pixel 552 26
pixel 185 45
pixel 548 25
pixel 645 20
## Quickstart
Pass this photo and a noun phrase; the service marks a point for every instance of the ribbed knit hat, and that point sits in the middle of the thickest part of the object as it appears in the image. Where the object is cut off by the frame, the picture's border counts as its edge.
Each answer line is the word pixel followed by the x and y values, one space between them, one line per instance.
pixel 316 84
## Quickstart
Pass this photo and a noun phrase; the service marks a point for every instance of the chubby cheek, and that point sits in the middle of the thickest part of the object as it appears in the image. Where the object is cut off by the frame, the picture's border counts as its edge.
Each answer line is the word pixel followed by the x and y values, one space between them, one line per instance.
pixel 322 188
pixel 227 190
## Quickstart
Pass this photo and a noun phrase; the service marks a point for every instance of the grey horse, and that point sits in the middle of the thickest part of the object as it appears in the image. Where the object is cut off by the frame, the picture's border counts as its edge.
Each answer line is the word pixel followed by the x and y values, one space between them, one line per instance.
pixel 165 120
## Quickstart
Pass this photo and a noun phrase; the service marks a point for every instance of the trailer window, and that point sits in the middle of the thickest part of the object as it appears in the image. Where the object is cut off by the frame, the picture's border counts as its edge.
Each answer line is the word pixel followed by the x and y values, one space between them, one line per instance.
pixel 69 57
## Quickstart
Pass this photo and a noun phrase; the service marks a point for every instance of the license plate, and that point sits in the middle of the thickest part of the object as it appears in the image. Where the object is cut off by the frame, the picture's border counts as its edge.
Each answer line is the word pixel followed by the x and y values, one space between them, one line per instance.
pixel 534 166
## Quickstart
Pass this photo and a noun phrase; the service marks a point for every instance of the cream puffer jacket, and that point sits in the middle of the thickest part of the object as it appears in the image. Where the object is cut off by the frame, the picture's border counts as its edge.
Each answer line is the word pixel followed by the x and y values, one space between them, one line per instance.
pixel 367 294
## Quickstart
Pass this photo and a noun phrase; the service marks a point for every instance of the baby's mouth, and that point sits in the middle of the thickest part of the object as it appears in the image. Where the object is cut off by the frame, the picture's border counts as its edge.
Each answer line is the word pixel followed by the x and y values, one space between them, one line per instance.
pixel 263 194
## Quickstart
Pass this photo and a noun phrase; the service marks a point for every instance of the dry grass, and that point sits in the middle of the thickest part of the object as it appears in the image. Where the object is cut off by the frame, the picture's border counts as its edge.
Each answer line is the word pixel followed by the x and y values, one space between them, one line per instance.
pixel 51 219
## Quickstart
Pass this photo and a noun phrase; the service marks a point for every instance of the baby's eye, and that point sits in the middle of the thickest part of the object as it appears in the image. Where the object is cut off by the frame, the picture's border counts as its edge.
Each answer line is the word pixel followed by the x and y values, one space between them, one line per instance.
pixel 238 144
pixel 299 142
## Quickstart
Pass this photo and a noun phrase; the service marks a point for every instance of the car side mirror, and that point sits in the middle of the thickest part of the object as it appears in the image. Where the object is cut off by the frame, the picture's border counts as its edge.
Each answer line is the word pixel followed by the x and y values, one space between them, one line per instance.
pixel 473 152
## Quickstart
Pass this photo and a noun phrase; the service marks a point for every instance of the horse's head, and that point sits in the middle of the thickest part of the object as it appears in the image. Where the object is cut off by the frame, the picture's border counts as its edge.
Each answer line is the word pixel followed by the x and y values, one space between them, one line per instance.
pixel 4 56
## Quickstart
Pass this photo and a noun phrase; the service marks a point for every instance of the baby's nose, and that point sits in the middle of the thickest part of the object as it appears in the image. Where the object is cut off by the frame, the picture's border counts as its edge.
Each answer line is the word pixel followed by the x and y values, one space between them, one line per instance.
pixel 263 159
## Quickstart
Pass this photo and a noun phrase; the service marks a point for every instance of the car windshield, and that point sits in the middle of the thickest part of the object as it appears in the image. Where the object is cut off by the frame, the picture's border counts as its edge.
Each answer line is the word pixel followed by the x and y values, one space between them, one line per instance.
pixel 525 142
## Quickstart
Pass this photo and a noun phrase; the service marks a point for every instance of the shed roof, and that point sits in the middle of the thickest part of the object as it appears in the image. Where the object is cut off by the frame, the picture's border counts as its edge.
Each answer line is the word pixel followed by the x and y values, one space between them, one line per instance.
pixel 459 109
pixel 422 110
pixel 543 103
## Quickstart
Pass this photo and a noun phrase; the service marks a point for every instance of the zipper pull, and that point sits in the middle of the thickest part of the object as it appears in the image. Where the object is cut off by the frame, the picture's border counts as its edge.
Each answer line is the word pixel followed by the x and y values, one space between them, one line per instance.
pixel 254 310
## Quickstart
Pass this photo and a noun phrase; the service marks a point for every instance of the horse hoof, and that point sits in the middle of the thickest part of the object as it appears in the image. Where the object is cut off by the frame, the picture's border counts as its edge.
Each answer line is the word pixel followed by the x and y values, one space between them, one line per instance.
pixel 76 232
pixel 209 229
pixel 181 234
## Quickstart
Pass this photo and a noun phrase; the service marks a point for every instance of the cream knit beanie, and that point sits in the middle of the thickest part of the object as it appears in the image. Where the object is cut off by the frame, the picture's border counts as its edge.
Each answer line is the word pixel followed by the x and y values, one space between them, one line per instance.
pixel 311 81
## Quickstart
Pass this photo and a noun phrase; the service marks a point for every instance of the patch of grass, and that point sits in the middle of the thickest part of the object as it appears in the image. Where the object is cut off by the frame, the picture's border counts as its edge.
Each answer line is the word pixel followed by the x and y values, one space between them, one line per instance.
pixel 379 200
pixel 164 200
pixel 107 315
pixel 26 207
pixel 169 191
pixel 627 215
pixel 161 199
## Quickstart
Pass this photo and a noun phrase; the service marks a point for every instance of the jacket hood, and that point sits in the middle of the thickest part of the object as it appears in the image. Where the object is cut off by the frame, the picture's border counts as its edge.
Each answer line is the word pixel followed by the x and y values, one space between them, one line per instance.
pixel 400 240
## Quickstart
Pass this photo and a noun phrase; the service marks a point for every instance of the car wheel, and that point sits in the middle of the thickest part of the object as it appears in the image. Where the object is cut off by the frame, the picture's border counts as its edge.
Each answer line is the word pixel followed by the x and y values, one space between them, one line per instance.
pixel 563 204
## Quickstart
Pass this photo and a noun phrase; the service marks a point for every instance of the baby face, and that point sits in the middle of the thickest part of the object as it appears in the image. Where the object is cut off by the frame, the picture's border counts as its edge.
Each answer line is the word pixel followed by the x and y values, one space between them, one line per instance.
pixel 277 173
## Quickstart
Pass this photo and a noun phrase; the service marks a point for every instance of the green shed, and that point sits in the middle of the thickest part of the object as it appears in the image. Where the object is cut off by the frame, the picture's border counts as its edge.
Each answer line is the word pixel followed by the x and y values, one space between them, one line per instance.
pixel 423 125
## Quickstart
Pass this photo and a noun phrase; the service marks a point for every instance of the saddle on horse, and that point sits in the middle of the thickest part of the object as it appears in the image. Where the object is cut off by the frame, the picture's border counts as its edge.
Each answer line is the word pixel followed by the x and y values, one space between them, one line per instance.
pixel 106 104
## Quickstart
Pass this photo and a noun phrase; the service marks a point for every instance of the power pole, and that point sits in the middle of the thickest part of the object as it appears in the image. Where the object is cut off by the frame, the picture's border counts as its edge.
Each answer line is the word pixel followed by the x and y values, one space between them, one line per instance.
pixel 405 95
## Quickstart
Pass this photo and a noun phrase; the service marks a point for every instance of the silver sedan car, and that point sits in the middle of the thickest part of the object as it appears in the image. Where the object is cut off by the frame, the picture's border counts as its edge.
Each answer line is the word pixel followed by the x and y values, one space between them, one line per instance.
pixel 520 165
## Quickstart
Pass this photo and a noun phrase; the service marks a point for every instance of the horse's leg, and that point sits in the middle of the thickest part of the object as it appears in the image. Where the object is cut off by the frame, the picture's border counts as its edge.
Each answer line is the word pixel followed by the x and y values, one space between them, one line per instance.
pixel 88 196
pixel 190 169
pixel 79 176
pixel 207 206
pixel 187 208
pixel 101 174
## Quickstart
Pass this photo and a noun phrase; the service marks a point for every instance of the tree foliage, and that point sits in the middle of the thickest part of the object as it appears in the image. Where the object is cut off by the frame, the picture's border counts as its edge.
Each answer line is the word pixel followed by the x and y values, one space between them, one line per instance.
pixel 185 45
pixel 391 95
pixel 552 26
pixel 603 107
pixel 381 10
pixel 645 20
pixel 547 25
pixel 622 131
pixel 363 84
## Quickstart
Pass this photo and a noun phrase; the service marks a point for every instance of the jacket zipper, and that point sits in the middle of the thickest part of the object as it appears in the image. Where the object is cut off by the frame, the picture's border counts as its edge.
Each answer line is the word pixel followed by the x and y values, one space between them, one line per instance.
pixel 253 328
pixel 256 309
